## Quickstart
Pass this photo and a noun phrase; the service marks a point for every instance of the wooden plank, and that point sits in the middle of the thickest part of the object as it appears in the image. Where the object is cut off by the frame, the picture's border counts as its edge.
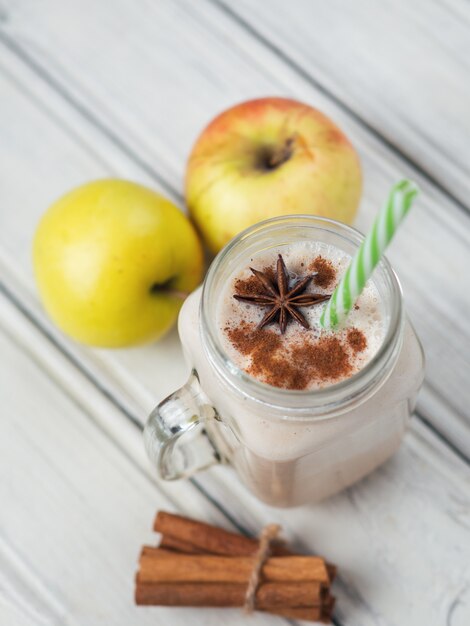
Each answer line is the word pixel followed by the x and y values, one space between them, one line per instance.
pixel 400 67
pixel 75 509
pixel 58 64
pixel 400 537
pixel 61 160
pixel 361 603
pixel 357 602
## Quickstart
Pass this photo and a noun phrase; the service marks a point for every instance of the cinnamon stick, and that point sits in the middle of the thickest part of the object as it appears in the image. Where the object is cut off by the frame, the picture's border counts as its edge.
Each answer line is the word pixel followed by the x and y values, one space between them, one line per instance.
pixel 268 595
pixel 201 565
pixel 157 565
pixel 203 536
pixel 312 614
pixel 179 545
pixel 183 534
pixel 170 542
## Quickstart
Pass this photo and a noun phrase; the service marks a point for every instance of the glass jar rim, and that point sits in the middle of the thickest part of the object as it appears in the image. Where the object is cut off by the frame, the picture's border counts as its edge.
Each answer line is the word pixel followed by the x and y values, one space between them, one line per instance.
pixel 327 400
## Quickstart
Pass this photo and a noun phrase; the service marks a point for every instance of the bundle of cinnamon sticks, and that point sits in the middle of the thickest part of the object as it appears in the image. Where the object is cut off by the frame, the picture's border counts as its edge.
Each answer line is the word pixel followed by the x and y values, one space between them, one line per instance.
pixel 200 565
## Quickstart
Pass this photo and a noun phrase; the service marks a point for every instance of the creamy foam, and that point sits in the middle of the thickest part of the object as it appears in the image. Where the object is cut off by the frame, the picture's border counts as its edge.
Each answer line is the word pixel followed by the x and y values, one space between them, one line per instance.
pixel 367 317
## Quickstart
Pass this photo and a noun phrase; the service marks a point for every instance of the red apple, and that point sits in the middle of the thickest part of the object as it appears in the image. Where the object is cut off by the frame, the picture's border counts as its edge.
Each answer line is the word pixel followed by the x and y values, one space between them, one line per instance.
pixel 269 157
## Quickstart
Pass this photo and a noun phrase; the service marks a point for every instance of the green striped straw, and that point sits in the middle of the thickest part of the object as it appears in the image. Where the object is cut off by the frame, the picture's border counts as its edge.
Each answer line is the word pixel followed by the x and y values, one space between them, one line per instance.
pixel 363 264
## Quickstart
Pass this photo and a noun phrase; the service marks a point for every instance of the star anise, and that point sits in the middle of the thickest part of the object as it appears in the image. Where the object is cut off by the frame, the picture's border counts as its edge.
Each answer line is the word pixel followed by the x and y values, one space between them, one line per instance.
pixel 283 302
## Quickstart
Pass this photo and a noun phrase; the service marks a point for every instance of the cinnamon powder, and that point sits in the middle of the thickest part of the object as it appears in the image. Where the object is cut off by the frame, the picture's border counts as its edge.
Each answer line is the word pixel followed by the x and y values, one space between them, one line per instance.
pixel 326 275
pixel 250 286
pixel 356 340
pixel 248 340
pixel 326 359
pixel 247 286
pixel 323 360
pixel 320 360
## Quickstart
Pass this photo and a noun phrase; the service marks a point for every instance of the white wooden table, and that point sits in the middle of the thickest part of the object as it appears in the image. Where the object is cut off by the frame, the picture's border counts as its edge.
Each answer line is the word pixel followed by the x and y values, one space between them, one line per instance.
pixel 91 89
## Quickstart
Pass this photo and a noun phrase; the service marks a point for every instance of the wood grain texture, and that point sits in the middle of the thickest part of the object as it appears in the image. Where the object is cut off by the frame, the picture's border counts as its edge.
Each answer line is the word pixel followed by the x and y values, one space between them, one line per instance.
pixel 401 67
pixel 75 508
pixel 387 534
pixel 88 92
pixel 127 113
pixel 414 511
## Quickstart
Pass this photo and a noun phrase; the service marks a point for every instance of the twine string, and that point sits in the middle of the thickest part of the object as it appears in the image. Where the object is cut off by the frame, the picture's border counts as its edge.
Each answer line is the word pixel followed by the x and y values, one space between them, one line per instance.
pixel 267 536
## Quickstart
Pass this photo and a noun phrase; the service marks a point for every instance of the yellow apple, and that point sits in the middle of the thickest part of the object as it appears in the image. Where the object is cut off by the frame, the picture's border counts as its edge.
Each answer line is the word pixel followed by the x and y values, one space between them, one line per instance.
pixel 265 158
pixel 113 261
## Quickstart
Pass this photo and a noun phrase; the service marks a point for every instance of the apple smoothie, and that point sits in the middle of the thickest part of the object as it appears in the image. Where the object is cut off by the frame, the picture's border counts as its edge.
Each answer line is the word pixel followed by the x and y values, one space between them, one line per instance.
pixel 288 348
pixel 299 411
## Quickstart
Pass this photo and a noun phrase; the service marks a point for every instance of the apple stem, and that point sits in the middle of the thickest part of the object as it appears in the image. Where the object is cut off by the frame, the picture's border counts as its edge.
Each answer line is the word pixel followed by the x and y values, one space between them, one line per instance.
pixel 282 155
pixel 168 290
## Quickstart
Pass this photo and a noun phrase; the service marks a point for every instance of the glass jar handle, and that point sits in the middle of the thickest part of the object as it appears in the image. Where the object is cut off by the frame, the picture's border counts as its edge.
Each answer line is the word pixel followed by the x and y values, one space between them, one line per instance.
pixel 175 436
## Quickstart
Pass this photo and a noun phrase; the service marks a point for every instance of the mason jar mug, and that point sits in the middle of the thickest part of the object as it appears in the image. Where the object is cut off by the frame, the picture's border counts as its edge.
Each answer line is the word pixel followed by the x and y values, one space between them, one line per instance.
pixel 288 447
